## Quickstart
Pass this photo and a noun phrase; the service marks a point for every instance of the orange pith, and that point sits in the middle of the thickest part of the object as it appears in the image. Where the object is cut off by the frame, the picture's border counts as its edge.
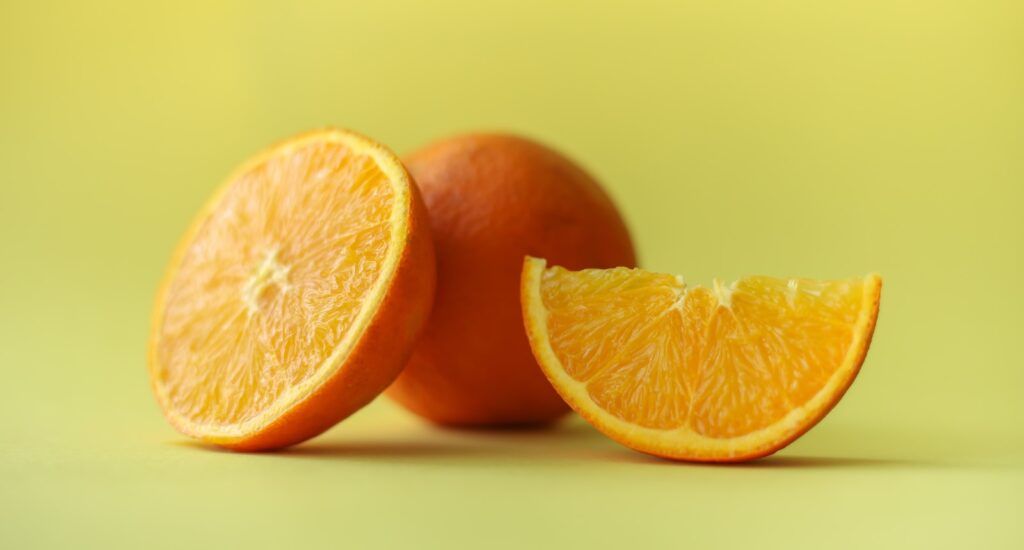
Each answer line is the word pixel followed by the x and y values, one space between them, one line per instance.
pixel 726 373
pixel 280 281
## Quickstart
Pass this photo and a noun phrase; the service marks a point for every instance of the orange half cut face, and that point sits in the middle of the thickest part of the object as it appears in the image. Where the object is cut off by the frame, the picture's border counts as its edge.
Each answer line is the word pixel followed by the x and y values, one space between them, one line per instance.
pixel 273 318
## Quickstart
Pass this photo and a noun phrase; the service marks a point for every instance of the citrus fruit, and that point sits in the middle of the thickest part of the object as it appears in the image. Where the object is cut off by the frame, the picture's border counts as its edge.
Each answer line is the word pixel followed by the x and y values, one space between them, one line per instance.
pixel 295 296
pixel 719 374
pixel 492 199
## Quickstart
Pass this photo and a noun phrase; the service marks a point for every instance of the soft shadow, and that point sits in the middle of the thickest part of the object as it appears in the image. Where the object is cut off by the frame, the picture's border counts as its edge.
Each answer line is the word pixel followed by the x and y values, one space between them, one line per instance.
pixel 818 462
pixel 569 430
pixel 341 449
pixel 378 449
pixel 777 462
pixel 567 440
pixel 571 439
pixel 188 443
pixel 557 440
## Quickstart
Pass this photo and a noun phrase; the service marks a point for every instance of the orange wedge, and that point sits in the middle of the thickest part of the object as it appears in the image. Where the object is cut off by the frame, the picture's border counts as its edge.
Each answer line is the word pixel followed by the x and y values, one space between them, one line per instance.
pixel 296 295
pixel 721 374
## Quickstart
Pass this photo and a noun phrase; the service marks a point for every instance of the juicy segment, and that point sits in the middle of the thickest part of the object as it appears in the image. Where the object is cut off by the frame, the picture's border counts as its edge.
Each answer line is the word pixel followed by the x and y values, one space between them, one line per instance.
pixel 273 282
pixel 698 368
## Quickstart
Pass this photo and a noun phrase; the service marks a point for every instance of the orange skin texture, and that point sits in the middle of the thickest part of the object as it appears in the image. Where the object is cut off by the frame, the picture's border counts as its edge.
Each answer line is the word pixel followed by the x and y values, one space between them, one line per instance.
pixel 372 364
pixel 492 199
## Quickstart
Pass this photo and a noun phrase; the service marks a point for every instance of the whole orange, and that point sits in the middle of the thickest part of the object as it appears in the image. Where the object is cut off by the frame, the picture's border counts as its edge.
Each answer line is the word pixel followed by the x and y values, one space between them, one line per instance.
pixel 493 199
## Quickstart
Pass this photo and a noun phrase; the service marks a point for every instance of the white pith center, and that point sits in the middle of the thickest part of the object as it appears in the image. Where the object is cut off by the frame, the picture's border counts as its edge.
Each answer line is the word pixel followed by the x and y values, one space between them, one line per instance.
pixel 269 275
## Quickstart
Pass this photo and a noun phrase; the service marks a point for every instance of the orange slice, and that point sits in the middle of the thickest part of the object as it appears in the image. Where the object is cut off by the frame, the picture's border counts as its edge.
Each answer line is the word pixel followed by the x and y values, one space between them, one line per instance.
pixel 720 374
pixel 296 295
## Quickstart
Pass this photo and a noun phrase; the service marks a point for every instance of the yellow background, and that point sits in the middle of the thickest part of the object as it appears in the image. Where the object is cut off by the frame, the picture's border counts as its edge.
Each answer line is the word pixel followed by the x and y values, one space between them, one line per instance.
pixel 821 139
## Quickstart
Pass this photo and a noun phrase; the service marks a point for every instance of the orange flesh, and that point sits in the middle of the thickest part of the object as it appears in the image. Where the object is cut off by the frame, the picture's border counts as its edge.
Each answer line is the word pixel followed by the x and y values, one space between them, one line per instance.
pixel 718 362
pixel 272 282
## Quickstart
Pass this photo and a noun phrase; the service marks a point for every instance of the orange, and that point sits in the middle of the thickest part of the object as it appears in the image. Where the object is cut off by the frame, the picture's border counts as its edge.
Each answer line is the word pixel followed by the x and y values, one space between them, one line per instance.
pixel 296 295
pixel 492 199
pixel 719 374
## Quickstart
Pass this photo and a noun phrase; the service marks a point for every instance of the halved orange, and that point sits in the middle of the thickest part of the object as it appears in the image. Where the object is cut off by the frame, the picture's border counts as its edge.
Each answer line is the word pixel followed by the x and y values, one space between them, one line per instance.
pixel 721 374
pixel 296 295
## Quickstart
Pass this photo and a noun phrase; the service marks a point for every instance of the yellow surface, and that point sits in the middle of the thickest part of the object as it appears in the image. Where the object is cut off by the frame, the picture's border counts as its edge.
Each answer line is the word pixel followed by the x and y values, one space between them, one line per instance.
pixel 818 139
